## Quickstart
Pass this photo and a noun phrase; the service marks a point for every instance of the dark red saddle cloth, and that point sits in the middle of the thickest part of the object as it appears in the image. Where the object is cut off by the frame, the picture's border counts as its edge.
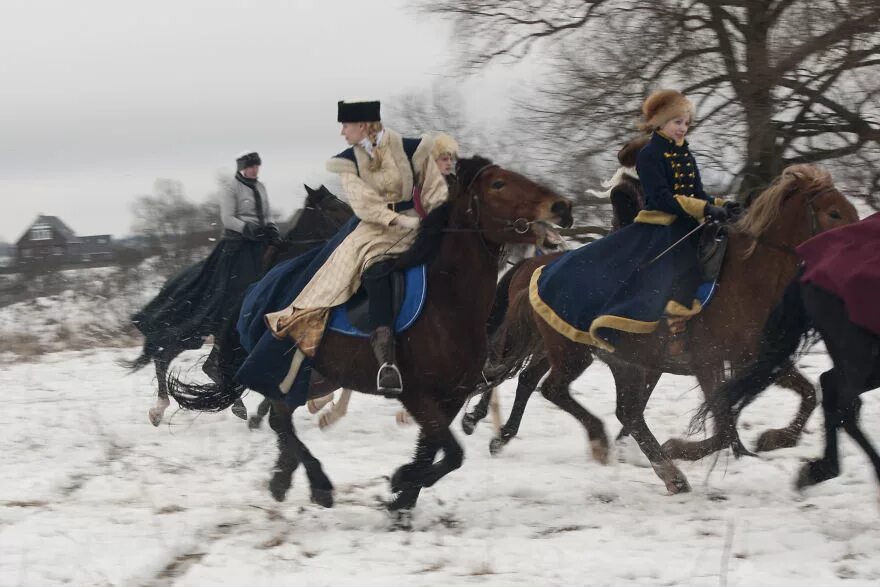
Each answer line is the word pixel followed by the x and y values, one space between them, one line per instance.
pixel 846 262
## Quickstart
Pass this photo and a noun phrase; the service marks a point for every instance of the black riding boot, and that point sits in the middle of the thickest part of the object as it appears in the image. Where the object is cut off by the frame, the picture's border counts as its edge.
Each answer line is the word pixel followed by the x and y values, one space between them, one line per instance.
pixel 377 281
pixel 388 380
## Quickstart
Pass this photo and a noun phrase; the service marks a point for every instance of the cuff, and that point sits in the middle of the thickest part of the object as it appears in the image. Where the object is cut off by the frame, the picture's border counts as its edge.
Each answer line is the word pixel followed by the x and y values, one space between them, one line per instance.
pixel 694 207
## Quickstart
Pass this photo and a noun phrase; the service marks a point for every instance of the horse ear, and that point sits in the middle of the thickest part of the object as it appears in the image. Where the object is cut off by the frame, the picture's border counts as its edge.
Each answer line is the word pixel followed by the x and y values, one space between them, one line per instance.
pixel 309 190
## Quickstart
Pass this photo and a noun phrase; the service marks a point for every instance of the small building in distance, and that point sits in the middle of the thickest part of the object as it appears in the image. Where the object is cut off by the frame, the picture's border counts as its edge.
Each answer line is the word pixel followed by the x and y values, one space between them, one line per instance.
pixel 50 242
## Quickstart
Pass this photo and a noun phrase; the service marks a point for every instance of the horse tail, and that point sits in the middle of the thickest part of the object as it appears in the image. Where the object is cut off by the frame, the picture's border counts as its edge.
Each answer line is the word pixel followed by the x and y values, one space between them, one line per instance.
pixel 783 333
pixel 203 397
pixel 501 301
pixel 516 341
pixel 148 353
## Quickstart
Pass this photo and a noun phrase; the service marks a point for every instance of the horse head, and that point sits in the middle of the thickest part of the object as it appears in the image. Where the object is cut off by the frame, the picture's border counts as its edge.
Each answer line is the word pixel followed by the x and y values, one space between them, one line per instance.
pixel 802 202
pixel 506 206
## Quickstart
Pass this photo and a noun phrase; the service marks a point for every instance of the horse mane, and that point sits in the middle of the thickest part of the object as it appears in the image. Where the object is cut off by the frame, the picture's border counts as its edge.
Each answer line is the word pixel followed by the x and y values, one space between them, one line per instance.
pixel 807 180
pixel 431 230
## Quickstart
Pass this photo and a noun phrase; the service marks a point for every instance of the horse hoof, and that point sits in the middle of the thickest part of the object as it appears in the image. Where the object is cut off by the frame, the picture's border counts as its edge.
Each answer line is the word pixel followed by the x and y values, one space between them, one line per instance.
pixel 279 484
pixel 468 424
pixel 402 479
pixel 323 497
pixel 155 415
pixel 678 484
pixel 776 439
pixel 239 410
pixel 600 451
pixel 813 473
pixel 254 423
pixel 495 445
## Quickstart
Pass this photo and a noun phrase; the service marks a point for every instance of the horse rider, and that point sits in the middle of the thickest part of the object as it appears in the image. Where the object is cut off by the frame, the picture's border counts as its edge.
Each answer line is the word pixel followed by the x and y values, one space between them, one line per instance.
pixel 390 182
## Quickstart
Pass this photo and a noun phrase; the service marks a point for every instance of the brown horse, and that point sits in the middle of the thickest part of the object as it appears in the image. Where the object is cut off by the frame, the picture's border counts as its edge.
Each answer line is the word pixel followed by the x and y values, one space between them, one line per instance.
pixel 760 261
pixel 441 357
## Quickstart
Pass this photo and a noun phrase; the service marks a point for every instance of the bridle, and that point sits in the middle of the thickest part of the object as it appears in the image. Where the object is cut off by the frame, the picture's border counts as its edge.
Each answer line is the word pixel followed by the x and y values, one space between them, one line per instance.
pixel 474 211
pixel 814 230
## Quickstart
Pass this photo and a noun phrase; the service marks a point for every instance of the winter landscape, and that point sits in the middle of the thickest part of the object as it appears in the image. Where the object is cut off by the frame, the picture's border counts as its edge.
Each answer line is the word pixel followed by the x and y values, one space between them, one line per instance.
pixel 93 494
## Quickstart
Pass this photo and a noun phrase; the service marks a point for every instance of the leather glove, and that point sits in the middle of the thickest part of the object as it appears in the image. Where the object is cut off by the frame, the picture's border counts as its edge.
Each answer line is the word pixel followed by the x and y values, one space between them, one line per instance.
pixel 408 222
pixel 273 234
pixel 734 209
pixel 252 232
pixel 716 213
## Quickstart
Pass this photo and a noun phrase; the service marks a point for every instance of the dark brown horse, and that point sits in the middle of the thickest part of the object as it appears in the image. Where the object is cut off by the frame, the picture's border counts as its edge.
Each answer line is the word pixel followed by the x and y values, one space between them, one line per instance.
pixel 760 261
pixel 441 357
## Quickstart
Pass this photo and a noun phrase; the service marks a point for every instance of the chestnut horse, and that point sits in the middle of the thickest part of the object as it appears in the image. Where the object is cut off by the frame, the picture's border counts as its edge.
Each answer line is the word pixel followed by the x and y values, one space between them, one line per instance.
pixel 760 261
pixel 442 356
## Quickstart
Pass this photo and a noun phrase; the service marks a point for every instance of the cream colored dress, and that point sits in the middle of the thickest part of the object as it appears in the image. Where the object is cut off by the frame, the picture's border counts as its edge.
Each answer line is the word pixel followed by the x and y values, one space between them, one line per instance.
pixel 369 193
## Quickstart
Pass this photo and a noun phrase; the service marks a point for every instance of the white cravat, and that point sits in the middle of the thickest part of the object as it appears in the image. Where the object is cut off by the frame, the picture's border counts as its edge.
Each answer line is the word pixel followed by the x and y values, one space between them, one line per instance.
pixel 368 146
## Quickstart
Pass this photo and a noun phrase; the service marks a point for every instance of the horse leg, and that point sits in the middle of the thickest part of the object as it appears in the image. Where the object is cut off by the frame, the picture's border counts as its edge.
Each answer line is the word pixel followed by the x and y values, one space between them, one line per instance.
pixel 526 385
pixel 641 386
pixel 257 419
pixel 336 411
pixel 556 389
pixel 631 384
pixel 828 466
pixel 315 405
pixel 162 361
pixel 424 456
pixel 709 377
pixel 495 411
pixel 281 421
pixel 470 420
pixel 788 437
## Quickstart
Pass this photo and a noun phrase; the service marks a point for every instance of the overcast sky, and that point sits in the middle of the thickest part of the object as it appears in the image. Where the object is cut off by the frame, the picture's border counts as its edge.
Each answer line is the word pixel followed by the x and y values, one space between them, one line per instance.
pixel 101 97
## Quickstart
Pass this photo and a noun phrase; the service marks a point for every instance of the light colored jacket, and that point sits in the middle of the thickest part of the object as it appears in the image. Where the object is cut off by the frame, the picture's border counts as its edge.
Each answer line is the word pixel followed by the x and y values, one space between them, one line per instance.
pixel 237 205
pixel 372 195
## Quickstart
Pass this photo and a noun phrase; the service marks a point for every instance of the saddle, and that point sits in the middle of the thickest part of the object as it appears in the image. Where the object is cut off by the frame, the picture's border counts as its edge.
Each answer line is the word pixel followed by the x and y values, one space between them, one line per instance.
pixel 409 291
pixel 711 250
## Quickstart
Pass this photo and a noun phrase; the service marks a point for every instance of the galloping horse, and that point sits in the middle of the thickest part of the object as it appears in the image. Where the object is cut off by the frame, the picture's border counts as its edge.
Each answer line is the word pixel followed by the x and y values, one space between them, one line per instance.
pixel 442 356
pixel 855 354
pixel 314 224
pixel 760 261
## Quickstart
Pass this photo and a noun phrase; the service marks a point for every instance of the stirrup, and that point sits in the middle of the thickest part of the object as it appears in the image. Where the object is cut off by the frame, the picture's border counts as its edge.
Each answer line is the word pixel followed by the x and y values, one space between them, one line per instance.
pixel 389 391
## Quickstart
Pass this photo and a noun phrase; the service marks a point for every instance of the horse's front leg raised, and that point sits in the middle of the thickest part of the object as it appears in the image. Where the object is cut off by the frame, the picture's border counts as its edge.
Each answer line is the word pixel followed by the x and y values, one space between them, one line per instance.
pixel 292 452
pixel 788 437
pixel 526 384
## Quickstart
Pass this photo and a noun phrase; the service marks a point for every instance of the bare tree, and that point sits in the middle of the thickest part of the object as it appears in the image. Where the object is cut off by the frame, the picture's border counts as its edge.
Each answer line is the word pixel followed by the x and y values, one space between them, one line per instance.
pixel 776 82
pixel 179 230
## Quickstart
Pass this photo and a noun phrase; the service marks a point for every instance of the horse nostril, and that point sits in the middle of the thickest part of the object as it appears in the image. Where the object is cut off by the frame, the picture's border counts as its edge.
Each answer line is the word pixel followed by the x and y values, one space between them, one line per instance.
pixel 562 209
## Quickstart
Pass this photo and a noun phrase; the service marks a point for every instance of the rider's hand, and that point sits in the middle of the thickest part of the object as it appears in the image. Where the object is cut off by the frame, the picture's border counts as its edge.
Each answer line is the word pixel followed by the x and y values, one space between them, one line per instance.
pixel 252 232
pixel 272 233
pixel 734 209
pixel 408 222
pixel 716 213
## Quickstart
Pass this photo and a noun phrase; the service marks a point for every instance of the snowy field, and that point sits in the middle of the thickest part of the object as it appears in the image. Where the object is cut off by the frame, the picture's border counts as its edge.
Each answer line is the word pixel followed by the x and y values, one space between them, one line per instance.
pixel 92 494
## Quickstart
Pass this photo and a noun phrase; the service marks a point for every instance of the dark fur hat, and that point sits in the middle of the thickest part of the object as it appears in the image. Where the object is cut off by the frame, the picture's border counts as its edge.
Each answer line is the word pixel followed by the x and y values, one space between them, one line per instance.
pixel 248 160
pixel 358 111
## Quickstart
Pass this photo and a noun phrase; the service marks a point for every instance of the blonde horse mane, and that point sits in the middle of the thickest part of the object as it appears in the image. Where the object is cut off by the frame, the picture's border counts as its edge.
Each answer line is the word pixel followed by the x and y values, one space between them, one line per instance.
pixel 809 181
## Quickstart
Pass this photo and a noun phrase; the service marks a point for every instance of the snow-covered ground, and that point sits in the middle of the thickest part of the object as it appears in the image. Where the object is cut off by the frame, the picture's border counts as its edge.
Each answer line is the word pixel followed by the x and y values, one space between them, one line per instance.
pixel 92 494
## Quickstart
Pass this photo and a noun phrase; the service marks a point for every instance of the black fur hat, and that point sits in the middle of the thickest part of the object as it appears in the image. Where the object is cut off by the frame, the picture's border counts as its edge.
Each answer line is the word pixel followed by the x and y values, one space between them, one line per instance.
pixel 248 160
pixel 358 111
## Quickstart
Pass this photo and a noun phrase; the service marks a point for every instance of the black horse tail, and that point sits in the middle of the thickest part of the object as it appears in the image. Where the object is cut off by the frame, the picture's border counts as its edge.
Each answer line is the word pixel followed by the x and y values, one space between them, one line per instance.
pixel 501 301
pixel 785 329
pixel 515 342
pixel 148 353
pixel 203 397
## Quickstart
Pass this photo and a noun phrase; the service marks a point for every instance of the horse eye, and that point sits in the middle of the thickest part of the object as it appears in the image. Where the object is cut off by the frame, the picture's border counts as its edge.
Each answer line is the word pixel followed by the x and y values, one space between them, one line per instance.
pixel 835 214
pixel 497 184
